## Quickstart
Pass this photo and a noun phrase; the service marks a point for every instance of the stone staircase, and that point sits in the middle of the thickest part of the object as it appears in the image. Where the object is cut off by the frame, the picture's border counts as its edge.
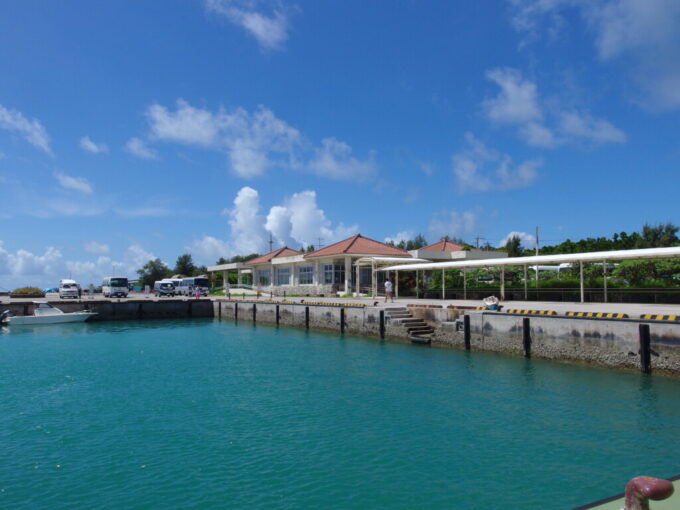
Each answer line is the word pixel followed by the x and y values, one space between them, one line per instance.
pixel 417 329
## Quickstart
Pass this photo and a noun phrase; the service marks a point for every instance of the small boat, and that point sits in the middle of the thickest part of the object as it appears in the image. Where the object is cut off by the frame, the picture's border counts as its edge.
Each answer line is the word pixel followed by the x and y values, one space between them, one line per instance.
pixel 45 313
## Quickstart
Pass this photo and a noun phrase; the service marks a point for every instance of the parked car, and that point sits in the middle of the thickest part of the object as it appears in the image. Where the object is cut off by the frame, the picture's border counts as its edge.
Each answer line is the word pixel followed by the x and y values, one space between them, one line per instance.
pixel 162 288
pixel 69 289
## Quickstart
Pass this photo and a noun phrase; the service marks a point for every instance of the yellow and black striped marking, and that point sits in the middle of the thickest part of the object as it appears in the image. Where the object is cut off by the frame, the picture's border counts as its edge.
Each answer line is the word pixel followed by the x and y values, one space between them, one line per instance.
pixel 304 303
pixel 597 315
pixel 530 312
pixel 660 317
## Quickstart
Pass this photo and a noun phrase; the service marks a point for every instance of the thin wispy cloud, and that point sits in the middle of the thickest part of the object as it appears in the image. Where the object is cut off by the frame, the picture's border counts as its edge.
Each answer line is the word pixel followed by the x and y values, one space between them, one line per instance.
pixel 75 183
pixel 646 33
pixel 477 168
pixel 518 104
pixel 266 21
pixel 138 147
pixel 95 148
pixel 31 130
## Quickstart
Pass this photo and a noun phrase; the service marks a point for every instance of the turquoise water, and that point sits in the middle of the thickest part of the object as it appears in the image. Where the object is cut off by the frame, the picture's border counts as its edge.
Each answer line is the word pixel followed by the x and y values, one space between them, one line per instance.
pixel 206 414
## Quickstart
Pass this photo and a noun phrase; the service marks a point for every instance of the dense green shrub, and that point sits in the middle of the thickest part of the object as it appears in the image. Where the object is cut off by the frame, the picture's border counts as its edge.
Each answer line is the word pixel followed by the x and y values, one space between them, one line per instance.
pixel 27 290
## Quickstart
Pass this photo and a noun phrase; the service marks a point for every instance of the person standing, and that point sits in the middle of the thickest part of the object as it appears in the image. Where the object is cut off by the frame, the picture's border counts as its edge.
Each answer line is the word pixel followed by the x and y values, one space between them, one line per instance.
pixel 388 291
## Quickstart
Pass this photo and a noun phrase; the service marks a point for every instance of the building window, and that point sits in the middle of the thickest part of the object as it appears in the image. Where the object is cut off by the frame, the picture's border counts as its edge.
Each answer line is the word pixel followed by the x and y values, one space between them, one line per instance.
pixel 283 276
pixel 263 277
pixel 340 273
pixel 306 275
pixel 328 273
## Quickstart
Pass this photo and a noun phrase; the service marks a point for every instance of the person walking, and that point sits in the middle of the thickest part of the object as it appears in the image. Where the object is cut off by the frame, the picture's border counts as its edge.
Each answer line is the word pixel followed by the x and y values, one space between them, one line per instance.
pixel 388 291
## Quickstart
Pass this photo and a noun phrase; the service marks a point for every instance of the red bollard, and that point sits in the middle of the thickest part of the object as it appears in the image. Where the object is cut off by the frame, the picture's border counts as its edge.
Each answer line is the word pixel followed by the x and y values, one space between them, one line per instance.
pixel 643 488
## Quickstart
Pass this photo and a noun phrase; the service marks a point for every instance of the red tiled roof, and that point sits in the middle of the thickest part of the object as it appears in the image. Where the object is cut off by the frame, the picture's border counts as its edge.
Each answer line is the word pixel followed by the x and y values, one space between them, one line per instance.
pixel 358 245
pixel 444 246
pixel 281 252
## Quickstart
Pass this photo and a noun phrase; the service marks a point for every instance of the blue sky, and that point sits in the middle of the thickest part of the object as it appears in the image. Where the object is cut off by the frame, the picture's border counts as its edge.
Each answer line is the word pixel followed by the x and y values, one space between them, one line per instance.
pixel 134 130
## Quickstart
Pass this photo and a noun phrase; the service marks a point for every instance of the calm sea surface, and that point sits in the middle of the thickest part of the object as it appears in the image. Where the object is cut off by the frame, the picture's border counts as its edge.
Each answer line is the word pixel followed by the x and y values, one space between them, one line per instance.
pixel 207 414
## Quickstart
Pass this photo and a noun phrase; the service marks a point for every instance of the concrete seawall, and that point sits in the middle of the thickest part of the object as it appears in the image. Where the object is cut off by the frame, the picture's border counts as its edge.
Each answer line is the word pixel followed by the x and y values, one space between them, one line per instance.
pixel 125 309
pixel 605 342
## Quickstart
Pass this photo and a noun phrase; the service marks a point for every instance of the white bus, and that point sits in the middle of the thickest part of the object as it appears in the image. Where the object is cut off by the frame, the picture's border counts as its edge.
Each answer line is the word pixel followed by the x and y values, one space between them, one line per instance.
pixel 188 286
pixel 115 286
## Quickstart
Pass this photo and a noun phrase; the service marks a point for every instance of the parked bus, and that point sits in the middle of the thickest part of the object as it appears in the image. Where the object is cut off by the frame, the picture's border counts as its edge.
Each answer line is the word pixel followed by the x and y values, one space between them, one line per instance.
pixel 188 286
pixel 115 286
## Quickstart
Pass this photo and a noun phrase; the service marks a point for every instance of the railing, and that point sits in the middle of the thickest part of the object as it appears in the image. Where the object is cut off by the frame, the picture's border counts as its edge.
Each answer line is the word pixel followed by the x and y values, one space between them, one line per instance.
pixel 591 295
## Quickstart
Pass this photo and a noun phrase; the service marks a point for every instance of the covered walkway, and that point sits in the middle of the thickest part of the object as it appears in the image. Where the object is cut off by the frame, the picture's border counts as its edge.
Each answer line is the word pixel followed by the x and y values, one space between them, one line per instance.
pixel 603 257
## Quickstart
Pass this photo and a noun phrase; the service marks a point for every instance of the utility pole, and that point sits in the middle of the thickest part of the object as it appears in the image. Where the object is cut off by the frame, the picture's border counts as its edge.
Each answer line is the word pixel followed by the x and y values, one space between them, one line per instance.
pixel 271 243
pixel 478 238
pixel 318 246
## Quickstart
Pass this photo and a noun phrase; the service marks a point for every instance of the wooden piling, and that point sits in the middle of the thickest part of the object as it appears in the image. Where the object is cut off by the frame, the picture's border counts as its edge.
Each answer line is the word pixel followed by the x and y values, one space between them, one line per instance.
pixel 526 337
pixel 466 331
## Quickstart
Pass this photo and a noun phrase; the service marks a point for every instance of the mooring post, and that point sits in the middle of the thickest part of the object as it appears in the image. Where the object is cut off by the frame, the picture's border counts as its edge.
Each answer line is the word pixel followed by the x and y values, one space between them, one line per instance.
pixel 466 331
pixel 254 312
pixel 342 320
pixel 277 315
pixel 235 311
pixel 307 317
pixel 645 350
pixel 140 313
pixel 526 337
pixel 382 324
pixel 219 309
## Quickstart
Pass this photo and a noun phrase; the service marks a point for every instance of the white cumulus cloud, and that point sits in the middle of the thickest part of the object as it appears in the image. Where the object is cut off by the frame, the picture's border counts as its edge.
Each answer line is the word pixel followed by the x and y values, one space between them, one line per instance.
pixel 95 148
pixel 269 29
pixel 255 141
pixel 526 240
pixel 404 235
pixel 334 159
pixel 32 130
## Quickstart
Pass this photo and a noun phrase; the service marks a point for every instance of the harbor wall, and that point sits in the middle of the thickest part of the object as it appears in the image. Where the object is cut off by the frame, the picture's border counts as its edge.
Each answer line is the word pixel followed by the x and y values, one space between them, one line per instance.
pixel 605 342
pixel 124 309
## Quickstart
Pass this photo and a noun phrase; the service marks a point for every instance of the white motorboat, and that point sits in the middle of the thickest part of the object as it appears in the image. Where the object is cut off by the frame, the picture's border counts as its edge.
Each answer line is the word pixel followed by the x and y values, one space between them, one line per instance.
pixel 45 313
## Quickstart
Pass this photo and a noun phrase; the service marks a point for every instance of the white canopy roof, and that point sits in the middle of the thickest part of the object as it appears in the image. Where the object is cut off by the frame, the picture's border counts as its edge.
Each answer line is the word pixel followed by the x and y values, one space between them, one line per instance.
pixel 595 256
pixel 389 260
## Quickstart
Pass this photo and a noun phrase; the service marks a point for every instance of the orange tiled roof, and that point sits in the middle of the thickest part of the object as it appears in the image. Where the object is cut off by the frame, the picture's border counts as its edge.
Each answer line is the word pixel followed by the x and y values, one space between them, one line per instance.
pixel 281 252
pixel 358 245
pixel 444 246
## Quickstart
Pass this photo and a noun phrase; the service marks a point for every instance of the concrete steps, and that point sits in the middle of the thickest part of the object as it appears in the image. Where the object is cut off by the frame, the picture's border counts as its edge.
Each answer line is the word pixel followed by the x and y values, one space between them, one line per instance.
pixel 418 330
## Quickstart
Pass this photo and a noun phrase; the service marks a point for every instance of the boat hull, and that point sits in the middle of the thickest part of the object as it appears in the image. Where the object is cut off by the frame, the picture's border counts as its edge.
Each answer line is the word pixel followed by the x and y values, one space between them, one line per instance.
pixel 31 320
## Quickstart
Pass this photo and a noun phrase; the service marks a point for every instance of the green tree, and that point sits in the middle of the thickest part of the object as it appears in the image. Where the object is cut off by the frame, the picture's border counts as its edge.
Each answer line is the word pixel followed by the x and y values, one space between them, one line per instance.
pixel 415 244
pixel 152 271
pixel 185 265
pixel 514 246
pixel 658 236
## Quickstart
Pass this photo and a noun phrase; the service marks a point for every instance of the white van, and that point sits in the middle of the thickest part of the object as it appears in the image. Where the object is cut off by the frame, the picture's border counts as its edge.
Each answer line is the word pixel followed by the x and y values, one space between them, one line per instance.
pixel 188 286
pixel 115 286
pixel 69 289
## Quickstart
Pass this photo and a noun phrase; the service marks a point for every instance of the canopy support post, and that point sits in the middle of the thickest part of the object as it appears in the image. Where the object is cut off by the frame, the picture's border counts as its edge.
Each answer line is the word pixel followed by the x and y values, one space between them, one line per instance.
pixel 604 267
pixel 443 285
pixel 502 283
pixel 464 284
pixel 396 284
pixel 581 278
pixel 526 290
